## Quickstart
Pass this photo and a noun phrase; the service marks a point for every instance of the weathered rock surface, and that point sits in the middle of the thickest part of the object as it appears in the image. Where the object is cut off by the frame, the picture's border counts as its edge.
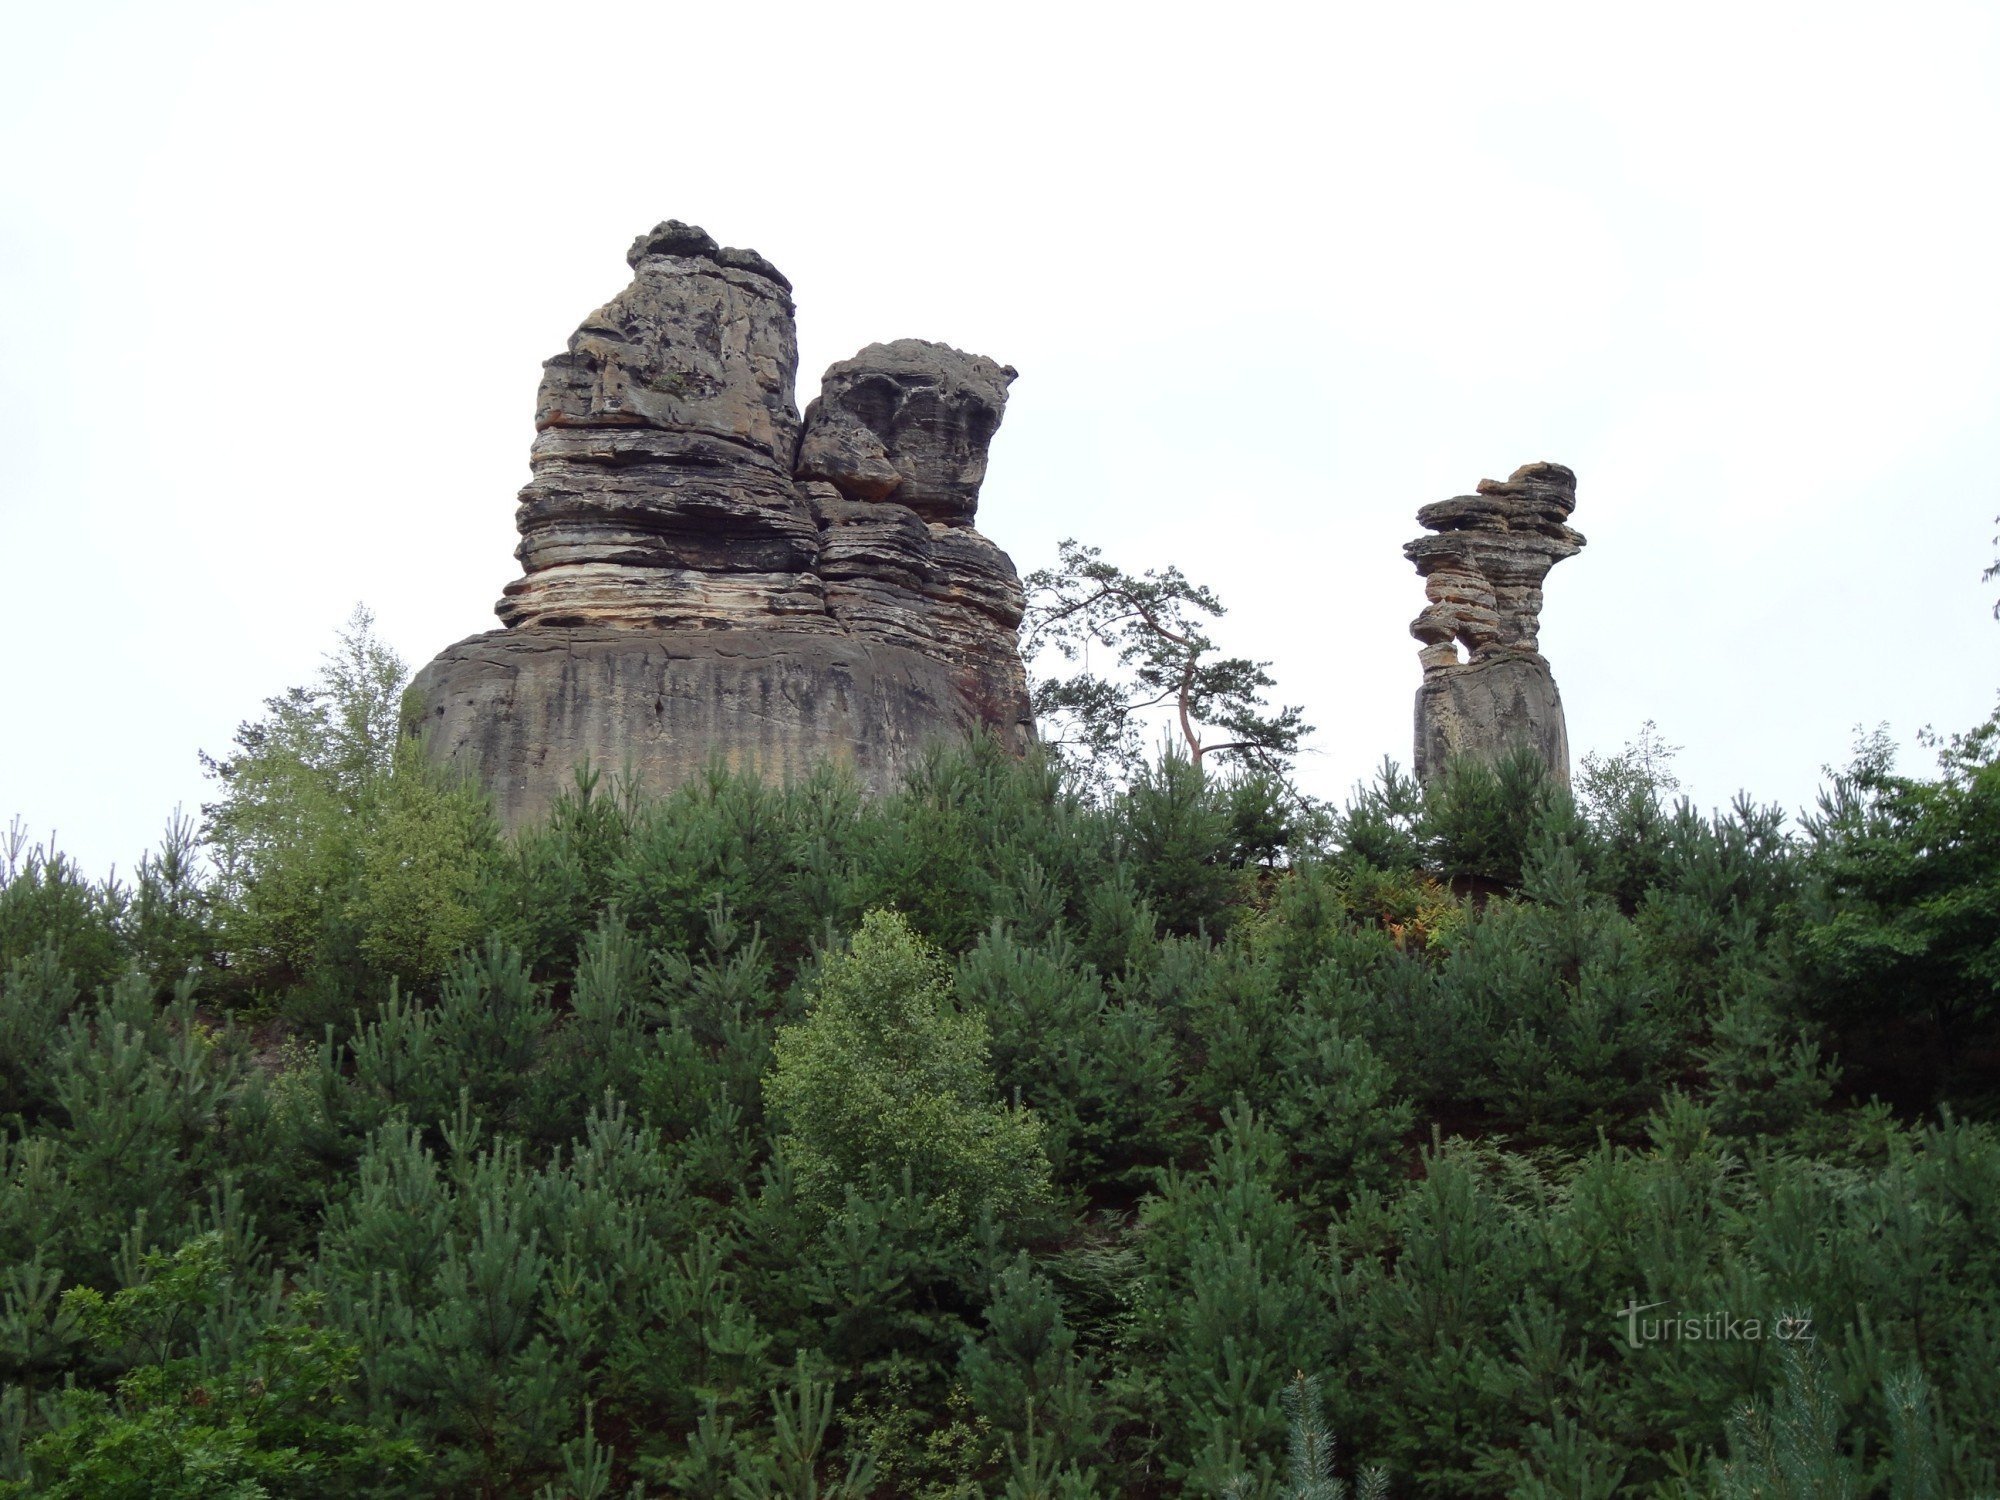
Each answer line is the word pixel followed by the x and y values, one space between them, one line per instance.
pixel 1487 687
pixel 892 457
pixel 706 573
pixel 1486 709
pixel 662 494
pixel 522 708
pixel 909 422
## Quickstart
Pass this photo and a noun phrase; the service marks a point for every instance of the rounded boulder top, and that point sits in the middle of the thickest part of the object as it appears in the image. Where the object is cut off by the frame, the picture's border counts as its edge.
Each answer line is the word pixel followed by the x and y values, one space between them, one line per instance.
pixel 672 237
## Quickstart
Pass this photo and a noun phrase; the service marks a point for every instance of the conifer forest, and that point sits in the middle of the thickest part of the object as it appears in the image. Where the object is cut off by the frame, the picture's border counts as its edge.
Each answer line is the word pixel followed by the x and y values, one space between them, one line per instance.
pixel 1026 1132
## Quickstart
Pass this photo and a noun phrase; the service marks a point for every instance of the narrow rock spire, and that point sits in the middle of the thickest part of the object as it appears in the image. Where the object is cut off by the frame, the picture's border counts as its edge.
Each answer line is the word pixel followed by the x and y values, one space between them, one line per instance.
pixel 1487 687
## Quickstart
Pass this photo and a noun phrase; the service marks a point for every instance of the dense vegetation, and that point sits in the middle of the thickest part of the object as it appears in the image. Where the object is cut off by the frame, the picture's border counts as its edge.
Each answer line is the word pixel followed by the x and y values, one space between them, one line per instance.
pixel 1002 1138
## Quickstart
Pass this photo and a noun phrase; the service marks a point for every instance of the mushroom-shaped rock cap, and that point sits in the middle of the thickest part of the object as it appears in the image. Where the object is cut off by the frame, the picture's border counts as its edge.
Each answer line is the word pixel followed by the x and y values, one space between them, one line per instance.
pixel 909 421
pixel 1484 562
pixel 672 237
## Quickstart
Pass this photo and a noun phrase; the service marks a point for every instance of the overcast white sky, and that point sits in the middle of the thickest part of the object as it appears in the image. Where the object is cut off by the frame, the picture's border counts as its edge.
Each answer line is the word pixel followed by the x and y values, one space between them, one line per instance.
pixel 276 281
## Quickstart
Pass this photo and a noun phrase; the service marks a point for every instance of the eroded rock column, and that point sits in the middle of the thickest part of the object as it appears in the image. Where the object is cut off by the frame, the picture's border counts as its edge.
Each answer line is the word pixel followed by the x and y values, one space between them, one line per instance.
pixel 662 494
pixel 892 458
pixel 1487 687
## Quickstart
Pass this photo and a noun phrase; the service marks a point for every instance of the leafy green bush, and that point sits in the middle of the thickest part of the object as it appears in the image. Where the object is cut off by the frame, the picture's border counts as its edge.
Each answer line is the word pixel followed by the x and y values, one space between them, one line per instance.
pixel 424 858
pixel 297 794
pixel 884 1081
pixel 278 1418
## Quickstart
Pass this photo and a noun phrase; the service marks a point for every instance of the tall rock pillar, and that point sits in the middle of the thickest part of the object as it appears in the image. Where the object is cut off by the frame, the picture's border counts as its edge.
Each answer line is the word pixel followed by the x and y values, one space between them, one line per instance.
pixel 662 496
pixel 1487 687
pixel 892 458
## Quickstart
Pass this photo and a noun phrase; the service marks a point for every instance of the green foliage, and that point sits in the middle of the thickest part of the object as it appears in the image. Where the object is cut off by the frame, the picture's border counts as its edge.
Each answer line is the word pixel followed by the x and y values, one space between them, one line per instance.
pixel 1156 625
pixel 1482 818
pixel 1097 1072
pixel 998 1135
pixel 1900 933
pixel 885 1079
pixel 1763 1078
pixel 1230 1299
pixel 558 874
pixel 1338 1109
pixel 48 906
pixel 1028 1380
pixel 1791 1453
pixel 1178 834
pixel 1641 772
pixel 1792 1450
pixel 296 792
pixel 794 1468
pixel 36 996
pixel 132 1136
pixel 1628 797
pixel 1381 826
pixel 279 1417
pixel 1309 1456
pixel 424 857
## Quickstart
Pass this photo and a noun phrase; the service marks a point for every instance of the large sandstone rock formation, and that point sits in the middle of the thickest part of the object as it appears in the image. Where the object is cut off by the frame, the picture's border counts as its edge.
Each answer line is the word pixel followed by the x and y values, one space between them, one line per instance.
pixel 705 574
pixel 1487 687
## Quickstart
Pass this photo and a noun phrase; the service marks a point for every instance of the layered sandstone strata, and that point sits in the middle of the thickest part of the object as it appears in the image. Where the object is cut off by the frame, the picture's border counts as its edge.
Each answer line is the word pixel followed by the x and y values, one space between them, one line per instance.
pixel 892 458
pixel 662 495
pixel 1487 687
pixel 706 574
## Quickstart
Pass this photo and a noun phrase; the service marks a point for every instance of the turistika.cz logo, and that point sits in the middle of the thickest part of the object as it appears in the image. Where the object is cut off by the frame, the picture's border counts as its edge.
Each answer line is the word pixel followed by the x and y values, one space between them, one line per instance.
pixel 1711 1328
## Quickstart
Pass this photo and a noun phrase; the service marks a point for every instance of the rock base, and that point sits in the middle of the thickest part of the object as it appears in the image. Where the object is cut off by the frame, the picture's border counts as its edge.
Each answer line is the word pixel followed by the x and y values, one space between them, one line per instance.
pixel 518 710
pixel 1486 708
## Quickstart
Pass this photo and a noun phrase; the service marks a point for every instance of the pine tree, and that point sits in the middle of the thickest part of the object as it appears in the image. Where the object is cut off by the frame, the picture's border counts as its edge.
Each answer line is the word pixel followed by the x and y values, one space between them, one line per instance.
pixel 1309 1453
